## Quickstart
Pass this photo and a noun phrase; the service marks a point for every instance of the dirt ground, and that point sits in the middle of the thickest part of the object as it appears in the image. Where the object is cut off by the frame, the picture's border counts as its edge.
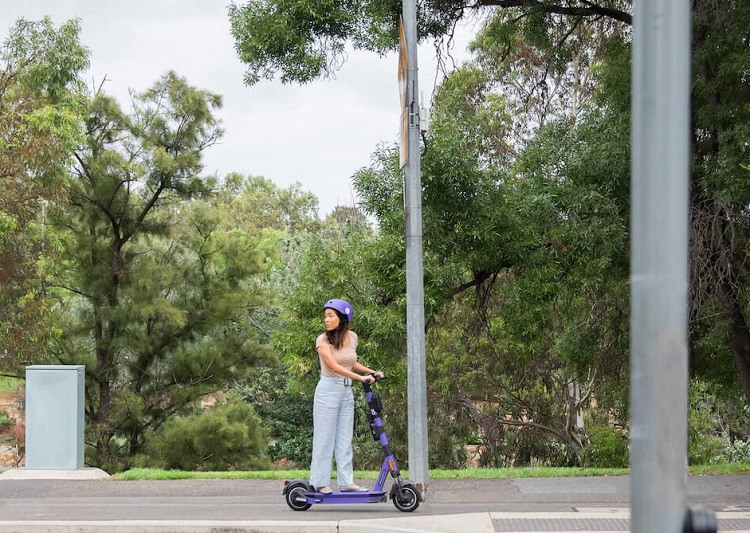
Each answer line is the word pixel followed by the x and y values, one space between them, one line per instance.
pixel 11 440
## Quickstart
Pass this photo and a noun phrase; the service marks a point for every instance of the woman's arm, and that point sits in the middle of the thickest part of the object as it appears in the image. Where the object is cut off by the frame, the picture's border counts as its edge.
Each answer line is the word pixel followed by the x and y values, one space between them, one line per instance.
pixel 328 358
pixel 364 370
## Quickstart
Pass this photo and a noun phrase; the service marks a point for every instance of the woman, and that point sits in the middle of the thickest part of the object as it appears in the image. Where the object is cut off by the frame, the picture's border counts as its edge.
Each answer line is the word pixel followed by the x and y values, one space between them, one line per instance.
pixel 333 406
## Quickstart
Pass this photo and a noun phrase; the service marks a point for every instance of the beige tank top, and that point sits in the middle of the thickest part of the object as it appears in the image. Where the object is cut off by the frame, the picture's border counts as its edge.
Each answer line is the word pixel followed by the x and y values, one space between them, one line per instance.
pixel 346 356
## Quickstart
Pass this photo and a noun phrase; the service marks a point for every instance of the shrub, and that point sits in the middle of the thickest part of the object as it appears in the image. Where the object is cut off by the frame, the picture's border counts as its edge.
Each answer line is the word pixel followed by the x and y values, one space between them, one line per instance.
pixel 705 446
pixel 704 435
pixel 608 449
pixel 6 422
pixel 286 415
pixel 737 452
pixel 229 438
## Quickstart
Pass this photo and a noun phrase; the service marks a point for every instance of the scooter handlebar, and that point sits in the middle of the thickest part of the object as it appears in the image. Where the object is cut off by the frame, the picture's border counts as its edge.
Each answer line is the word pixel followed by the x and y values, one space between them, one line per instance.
pixel 376 376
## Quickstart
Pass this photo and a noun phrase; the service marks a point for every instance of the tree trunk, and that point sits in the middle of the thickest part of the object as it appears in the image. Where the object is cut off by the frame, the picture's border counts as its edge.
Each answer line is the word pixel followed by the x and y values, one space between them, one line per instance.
pixel 105 332
pixel 491 426
pixel 718 271
pixel 102 382
pixel 739 335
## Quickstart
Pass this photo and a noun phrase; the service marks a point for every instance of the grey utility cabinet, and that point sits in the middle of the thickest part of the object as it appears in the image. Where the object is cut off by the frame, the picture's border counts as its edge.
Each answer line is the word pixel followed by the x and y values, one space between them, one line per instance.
pixel 54 417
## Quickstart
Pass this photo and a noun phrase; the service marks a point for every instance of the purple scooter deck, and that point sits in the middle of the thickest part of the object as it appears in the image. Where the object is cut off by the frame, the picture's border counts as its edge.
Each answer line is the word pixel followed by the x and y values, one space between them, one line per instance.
pixel 346 497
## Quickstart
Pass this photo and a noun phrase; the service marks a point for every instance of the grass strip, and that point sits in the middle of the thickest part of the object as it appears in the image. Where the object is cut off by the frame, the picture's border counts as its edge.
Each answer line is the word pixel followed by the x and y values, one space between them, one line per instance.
pixel 472 473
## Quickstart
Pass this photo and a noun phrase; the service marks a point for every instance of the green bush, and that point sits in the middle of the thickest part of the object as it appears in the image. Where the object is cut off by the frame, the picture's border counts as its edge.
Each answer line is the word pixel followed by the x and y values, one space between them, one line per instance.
pixel 608 449
pixel 229 438
pixel 705 445
pixel 286 415
pixel 6 422
pixel 705 439
pixel 10 385
pixel 527 447
pixel 737 452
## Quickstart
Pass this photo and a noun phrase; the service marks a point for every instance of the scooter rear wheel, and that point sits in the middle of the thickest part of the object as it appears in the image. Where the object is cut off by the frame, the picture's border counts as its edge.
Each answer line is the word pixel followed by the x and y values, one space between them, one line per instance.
pixel 408 500
pixel 295 497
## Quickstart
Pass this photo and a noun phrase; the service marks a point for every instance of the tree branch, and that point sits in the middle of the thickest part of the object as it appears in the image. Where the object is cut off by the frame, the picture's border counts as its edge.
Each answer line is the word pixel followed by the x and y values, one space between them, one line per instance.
pixel 588 9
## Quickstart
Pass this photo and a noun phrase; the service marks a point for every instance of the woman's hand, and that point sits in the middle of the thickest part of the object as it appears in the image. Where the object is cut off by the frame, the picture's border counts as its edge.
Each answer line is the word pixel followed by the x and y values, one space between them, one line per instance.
pixel 372 377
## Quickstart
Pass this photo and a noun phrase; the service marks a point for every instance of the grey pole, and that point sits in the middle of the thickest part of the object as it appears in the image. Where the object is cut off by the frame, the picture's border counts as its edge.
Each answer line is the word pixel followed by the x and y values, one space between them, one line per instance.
pixel 659 264
pixel 417 402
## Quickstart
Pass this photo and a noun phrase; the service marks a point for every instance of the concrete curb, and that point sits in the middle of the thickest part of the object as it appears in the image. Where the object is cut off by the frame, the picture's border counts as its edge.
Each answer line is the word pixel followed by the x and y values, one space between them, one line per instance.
pixel 458 523
pixel 79 473
pixel 168 526
pixel 475 522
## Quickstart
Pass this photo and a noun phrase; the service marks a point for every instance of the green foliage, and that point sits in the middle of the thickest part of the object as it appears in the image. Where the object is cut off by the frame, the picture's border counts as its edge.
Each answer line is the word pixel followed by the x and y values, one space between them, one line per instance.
pixel 41 110
pixel 526 213
pixel 446 437
pixel 168 289
pixel 332 262
pixel 286 415
pixel 737 452
pixel 556 309
pixel 156 284
pixel 229 438
pixel 718 425
pixel 10 385
pixel 6 422
pixel 608 448
pixel 720 196
pixel 338 259
pixel 711 355
pixel 285 218
pixel 57 56
pixel 525 251
pixel 302 38
pixel 305 39
pixel 705 445
pixel 260 204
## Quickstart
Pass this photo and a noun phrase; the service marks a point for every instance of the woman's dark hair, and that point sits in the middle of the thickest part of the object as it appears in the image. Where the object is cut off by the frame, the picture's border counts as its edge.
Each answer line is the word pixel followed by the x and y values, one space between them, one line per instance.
pixel 336 337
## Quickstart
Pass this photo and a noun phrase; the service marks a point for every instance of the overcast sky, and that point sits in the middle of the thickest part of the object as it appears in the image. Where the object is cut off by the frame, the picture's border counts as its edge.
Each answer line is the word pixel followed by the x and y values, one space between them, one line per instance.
pixel 317 134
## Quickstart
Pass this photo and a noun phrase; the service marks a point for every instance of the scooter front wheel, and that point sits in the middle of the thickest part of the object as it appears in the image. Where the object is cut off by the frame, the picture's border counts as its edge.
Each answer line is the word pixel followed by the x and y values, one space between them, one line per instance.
pixel 295 496
pixel 407 500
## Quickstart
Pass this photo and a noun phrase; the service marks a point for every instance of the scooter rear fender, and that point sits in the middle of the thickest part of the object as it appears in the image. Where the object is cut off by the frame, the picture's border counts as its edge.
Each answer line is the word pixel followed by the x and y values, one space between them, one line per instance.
pixel 289 482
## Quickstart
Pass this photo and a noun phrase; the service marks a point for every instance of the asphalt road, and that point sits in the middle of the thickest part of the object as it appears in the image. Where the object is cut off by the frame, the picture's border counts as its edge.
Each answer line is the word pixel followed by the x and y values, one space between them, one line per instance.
pixel 185 500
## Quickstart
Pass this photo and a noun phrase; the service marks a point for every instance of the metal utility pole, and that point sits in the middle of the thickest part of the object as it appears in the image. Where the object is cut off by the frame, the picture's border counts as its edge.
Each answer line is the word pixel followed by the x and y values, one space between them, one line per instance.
pixel 659 268
pixel 410 161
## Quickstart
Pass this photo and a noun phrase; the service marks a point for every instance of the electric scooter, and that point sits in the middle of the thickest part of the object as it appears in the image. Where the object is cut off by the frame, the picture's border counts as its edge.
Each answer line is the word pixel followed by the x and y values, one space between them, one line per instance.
pixel 300 495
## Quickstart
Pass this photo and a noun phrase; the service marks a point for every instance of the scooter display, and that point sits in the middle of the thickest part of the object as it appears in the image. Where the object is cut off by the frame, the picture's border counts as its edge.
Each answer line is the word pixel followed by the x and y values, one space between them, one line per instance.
pixel 300 495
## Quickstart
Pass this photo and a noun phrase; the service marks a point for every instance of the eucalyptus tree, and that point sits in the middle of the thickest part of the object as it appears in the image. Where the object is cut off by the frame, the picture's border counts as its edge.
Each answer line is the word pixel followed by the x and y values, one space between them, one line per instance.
pixel 259 203
pixel 41 111
pixel 156 288
pixel 337 260
pixel 332 262
pixel 524 239
pixel 560 70
pixel 525 266
pixel 284 219
pixel 719 312
pixel 483 117
pixel 720 196
pixel 550 330
pixel 302 40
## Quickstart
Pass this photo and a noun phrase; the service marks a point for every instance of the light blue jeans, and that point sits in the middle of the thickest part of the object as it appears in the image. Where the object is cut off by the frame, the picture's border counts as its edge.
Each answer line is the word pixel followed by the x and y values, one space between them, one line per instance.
pixel 333 430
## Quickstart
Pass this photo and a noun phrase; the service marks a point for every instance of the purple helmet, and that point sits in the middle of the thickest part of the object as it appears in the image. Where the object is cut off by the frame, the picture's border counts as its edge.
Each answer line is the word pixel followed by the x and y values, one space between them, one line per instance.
pixel 342 306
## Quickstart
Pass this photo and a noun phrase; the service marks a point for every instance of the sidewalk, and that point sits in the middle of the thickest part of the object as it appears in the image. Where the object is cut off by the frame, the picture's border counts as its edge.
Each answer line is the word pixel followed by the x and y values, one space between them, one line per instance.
pixel 592 520
pixel 530 505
